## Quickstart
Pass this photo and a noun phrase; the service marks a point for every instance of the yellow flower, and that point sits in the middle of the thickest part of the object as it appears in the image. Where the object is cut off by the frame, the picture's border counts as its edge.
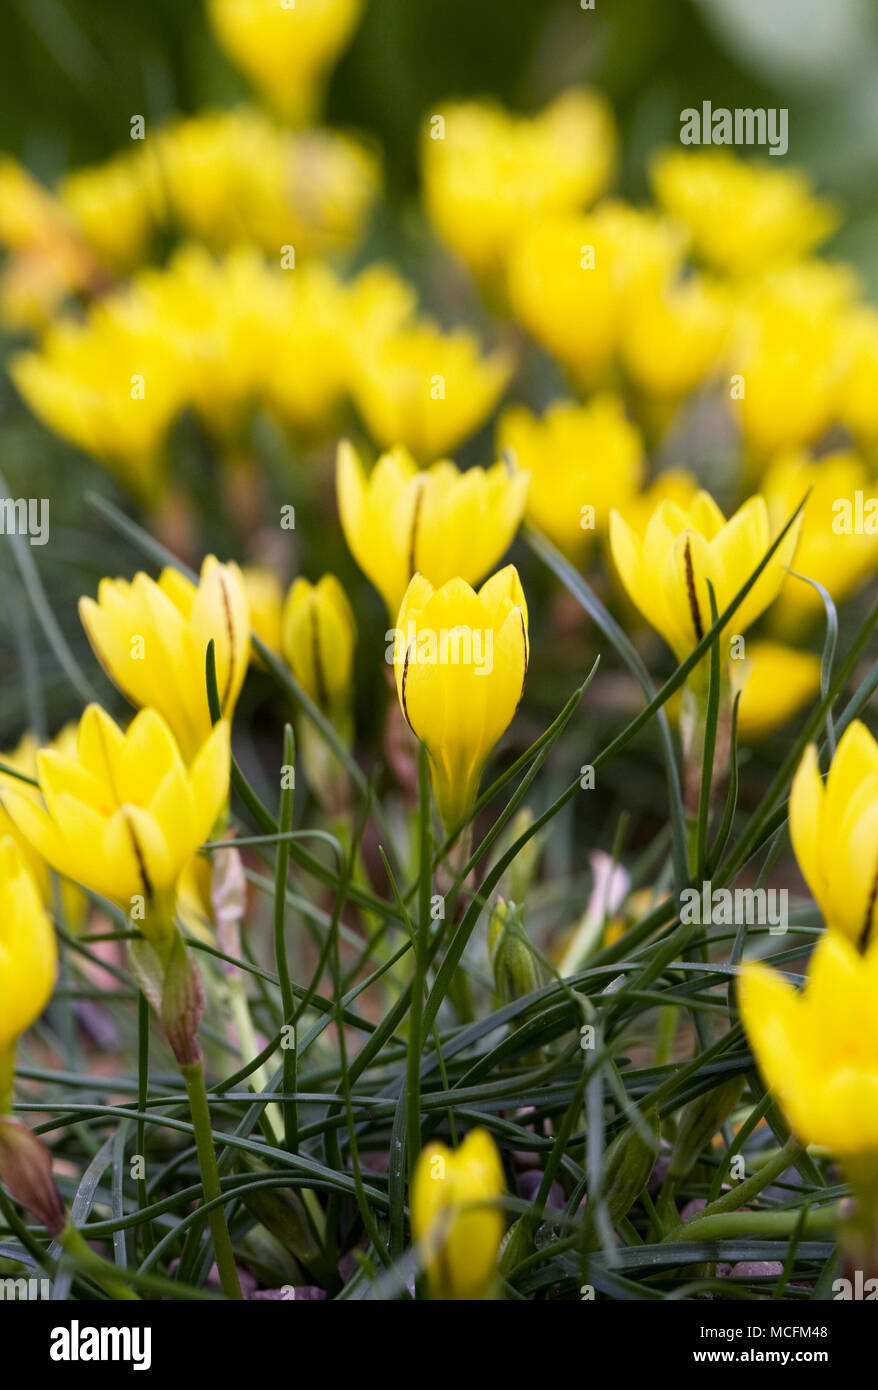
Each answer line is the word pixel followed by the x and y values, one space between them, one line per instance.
pixel 266 600
pixel 111 385
pixel 818 1050
pixel 23 758
pixel 116 206
pixel 859 395
pixel 775 682
pixel 665 566
pixel 28 957
pixel 152 638
pixel 773 212
pixel 286 51
pixel 789 355
pixel 453 1219
pixel 582 459
pixel 673 337
pixel 426 389
pixel 125 814
pixel 440 523
pixel 573 279
pixel 306 370
pixel 487 173
pixel 318 634
pixel 460 659
pixel 833 548
pixel 834 830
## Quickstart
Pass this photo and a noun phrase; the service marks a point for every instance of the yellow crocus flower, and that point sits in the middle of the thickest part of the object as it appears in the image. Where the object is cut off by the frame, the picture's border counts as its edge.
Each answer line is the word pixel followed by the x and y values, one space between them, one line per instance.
pixel 23 758
pixel 818 1049
pixel 859 392
pixel 318 634
pixel 440 522
pixel 775 682
pixel 834 830
pixel 266 600
pixel 152 638
pixel 673 337
pixel 427 389
pixel 665 567
pixel 833 549
pixel 487 173
pixel 460 659
pixel 774 213
pixel 454 1220
pixel 573 279
pixel 583 460
pixel 117 206
pixel 285 50
pixel 28 957
pixel 125 814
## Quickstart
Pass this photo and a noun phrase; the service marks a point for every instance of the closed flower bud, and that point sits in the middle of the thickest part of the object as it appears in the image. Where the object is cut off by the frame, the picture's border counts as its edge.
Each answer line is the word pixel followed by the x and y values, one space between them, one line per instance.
pixel 152 640
pixel 440 523
pixel 460 660
pixel 700 1121
pixel 26 1172
pixel 455 1221
pixel 318 635
pixel 627 1165
pixel 516 968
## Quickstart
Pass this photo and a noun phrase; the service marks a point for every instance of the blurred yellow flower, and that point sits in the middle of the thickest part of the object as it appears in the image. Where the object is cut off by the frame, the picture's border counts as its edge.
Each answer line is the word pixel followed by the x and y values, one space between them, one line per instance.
pixel 487 173
pixel 460 659
pixel 23 758
pixel 789 355
pixel 318 635
pixel 427 389
pixel 28 958
pixel 573 280
pixel 455 1221
pixel 837 545
pixel 48 259
pixel 673 337
pixel 859 392
pixel 834 830
pixel 266 600
pixel 440 523
pixel 125 814
pixel 307 342
pixel 582 459
pixel 665 567
pixel 743 217
pixel 152 639
pixel 116 206
pixel 285 50
pixel 775 682
pixel 818 1049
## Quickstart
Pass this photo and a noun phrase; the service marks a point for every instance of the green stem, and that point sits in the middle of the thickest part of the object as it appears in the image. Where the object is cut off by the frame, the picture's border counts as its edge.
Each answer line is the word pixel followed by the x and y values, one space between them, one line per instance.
pixel 743 1193
pixel 100 1269
pixel 755 1223
pixel 193 1075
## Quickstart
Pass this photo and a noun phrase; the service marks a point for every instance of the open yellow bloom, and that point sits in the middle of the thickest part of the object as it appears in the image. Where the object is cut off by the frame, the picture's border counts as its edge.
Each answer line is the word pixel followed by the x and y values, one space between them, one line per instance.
pixel 665 567
pixel 775 682
pixel 152 638
pixel 460 659
pixel 427 389
pixel 573 280
pixel 285 50
pixel 440 523
pixel 24 759
pixel 488 173
pixel 582 459
pixel 28 953
pixel 818 1050
pixel 789 355
pixel 834 830
pixel 318 634
pixel 125 814
pixel 835 548
pixel 775 216
pixel 453 1221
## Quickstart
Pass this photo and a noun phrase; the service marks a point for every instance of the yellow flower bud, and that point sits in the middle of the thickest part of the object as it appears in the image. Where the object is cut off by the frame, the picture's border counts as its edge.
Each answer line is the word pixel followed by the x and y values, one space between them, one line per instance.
pixel 28 955
pixel 775 682
pixel 834 830
pixel 459 1232
pixel 265 597
pixel 460 659
pixel 666 566
pixel 318 634
pixel 285 50
pixel 488 173
pixel 125 814
pixel 818 1049
pixel 775 216
pixel 583 460
pixel 440 523
pixel 152 639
